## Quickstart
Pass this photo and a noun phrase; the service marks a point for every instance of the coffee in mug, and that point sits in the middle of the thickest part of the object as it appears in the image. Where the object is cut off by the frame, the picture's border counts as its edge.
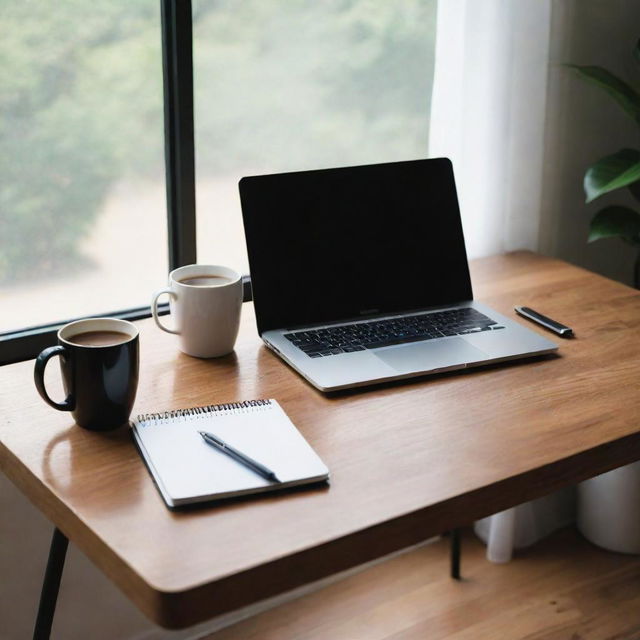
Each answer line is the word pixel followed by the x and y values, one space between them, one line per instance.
pixel 205 281
pixel 99 338
pixel 99 366
pixel 205 303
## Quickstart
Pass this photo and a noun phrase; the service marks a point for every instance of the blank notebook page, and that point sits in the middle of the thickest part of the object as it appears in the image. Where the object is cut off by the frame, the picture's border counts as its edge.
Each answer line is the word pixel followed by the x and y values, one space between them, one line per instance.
pixel 187 469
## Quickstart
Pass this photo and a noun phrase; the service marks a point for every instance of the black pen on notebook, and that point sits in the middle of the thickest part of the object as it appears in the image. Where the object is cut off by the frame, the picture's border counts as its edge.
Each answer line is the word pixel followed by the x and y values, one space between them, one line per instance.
pixel 244 459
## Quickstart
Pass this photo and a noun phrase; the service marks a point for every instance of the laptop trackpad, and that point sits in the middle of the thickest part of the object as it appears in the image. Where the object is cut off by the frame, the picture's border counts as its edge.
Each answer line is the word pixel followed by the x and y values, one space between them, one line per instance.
pixel 426 356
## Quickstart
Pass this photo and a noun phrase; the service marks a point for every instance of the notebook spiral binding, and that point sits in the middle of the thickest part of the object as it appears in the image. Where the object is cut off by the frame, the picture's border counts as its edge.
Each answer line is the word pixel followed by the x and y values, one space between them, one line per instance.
pixel 164 416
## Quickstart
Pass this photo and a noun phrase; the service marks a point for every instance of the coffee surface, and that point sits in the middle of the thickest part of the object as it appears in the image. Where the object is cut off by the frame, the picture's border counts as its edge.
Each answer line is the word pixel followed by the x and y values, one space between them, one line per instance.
pixel 205 281
pixel 99 338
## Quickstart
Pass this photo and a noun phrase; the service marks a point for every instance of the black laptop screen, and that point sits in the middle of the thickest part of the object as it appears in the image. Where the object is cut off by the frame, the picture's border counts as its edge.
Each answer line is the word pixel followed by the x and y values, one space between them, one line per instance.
pixel 344 243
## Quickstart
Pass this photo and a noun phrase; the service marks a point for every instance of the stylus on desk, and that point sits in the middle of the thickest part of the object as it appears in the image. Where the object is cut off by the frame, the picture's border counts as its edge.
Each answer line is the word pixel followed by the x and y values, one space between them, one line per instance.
pixel 553 325
pixel 240 457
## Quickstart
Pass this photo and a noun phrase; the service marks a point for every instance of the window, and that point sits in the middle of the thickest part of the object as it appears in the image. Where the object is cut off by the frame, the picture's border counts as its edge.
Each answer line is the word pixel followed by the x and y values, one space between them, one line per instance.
pixel 278 86
pixel 82 196
pixel 285 86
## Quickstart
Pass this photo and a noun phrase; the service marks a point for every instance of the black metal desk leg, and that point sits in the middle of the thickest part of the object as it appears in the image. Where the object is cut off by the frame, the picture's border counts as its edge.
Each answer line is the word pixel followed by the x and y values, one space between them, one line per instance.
pixel 51 585
pixel 455 554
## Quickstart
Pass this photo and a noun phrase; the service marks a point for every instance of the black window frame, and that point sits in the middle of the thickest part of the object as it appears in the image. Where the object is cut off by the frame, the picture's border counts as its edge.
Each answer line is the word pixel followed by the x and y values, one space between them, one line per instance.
pixel 177 69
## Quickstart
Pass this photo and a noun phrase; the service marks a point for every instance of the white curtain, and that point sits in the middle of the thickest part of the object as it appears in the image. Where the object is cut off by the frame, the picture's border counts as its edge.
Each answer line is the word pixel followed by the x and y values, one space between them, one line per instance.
pixel 488 116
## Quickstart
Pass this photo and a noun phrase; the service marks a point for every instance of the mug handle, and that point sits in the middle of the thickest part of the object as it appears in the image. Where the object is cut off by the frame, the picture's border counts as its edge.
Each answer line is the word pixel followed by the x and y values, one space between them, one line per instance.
pixel 154 308
pixel 38 375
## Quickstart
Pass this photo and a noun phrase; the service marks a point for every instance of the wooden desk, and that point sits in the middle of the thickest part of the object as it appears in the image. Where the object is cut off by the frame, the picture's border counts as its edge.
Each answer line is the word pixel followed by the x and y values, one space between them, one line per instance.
pixel 407 460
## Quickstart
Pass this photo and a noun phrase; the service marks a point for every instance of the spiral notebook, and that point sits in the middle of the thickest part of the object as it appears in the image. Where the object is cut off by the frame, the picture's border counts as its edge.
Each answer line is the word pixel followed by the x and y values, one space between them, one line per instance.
pixel 187 470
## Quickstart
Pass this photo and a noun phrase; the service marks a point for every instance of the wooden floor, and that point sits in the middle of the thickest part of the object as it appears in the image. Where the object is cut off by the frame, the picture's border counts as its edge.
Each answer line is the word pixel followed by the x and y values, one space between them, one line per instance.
pixel 562 588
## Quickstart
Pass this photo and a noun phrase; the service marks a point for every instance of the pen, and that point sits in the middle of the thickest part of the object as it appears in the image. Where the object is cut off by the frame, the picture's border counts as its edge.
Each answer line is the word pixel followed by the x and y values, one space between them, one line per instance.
pixel 557 328
pixel 244 459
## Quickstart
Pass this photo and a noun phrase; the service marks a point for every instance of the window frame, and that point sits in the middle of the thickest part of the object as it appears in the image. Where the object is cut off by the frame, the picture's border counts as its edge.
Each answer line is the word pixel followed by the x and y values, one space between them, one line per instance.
pixel 179 145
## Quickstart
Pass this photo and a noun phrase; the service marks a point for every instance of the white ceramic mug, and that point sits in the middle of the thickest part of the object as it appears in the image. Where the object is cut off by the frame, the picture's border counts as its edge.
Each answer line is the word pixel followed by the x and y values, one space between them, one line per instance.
pixel 205 303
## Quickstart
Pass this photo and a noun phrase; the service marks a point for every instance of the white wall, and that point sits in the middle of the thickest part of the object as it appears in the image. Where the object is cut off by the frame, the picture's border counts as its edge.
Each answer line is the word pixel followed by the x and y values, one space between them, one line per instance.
pixel 583 124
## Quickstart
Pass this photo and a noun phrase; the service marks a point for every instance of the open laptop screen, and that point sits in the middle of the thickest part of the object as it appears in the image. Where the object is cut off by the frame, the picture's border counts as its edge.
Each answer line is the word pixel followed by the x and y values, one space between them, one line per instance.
pixel 336 244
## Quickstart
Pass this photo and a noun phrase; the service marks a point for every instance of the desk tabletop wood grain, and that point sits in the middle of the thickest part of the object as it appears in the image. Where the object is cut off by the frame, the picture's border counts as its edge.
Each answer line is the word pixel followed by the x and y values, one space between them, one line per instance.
pixel 408 460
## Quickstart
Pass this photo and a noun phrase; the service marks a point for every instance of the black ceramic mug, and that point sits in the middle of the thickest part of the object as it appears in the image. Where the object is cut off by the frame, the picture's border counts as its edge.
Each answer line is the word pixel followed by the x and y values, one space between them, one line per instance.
pixel 99 364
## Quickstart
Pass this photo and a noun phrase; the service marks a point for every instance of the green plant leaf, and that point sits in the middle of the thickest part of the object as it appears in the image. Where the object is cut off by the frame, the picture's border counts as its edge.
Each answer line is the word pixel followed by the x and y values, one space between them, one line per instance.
pixel 616 221
pixel 627 97
pixel 636 51
pixel 612 172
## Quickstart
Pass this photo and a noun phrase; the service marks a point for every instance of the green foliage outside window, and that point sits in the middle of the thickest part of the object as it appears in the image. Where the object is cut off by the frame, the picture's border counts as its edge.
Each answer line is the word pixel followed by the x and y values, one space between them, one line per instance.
pixel 69 107
pixel 81 101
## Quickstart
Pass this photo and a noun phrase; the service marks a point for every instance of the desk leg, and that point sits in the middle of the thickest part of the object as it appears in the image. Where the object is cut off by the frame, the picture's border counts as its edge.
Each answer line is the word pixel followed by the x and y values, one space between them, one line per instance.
pixel 455 553
pixel 51 585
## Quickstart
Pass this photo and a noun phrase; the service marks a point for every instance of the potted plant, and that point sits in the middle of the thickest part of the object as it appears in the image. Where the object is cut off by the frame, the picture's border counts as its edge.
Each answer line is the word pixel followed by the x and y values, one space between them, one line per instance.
pixel 616 171
pixel 608 513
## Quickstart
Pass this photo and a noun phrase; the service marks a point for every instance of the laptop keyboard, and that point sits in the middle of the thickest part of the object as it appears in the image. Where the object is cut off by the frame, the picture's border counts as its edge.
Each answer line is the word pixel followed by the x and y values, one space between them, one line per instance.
pixel 359 336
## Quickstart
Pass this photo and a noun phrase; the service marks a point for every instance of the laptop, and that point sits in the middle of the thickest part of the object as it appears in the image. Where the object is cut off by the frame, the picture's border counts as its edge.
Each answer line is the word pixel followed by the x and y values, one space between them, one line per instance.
pixel 360 275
